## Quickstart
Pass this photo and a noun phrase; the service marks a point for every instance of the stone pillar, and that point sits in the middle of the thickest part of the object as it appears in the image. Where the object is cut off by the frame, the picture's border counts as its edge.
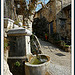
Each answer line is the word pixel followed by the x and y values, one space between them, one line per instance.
pixel 28 49
pixel 19 41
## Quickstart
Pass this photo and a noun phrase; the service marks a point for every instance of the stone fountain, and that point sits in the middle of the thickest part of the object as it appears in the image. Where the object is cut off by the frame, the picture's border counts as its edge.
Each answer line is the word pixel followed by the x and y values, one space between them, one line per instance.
pixel 19 42
pixel 20 60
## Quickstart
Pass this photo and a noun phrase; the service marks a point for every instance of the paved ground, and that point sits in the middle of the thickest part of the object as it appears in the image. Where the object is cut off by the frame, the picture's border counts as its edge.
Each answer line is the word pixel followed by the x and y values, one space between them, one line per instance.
pixel 60 63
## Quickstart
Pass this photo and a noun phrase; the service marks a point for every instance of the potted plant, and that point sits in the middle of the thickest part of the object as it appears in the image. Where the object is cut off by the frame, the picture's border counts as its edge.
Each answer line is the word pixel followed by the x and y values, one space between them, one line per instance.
pixel 67 48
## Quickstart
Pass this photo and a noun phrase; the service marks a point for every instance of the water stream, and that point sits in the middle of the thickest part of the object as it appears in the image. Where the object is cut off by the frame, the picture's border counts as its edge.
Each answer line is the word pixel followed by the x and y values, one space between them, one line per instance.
pixel 38 59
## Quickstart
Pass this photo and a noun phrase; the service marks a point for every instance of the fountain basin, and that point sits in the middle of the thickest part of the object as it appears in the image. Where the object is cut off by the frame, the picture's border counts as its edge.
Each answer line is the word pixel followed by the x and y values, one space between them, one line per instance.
pixel 37 68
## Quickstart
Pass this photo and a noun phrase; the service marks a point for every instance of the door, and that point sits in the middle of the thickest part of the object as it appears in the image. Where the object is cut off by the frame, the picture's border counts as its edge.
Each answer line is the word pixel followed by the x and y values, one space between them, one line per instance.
pixel 51 27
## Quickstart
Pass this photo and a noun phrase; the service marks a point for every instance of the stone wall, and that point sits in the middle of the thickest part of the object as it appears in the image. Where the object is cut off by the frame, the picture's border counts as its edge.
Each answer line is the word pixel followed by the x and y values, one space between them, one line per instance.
pixel 57 9
pixel 6 70
pixel 65 15
pixel 49 12
pixel 58 6
pixel 61 4
pixel 10 9
pixel 66 3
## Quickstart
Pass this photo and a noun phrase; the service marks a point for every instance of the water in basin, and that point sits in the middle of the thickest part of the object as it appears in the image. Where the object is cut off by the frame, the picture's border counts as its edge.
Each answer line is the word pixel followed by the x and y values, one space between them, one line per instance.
pixel 38 59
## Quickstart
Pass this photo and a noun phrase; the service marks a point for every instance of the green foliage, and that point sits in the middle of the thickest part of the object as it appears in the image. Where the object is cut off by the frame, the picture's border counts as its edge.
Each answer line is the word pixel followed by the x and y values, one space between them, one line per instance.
pixel 17 64
pixel 5 43
pixel 66 45
pixel 33 50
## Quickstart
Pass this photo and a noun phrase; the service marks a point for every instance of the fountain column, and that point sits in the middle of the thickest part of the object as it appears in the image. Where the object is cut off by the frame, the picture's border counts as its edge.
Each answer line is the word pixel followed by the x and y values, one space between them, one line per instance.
pixel 19 42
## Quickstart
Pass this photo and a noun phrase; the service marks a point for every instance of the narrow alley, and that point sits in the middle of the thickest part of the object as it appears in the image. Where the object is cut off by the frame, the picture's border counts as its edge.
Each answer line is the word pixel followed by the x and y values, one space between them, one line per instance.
pixel 36 37
pixel 60 61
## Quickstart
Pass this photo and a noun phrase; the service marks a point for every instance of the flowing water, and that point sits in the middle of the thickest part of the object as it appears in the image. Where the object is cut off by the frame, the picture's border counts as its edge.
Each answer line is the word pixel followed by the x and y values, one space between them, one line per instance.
pixel 38 59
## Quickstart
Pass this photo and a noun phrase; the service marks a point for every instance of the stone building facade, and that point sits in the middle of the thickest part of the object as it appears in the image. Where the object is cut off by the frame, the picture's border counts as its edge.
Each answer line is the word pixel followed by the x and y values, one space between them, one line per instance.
pixel 56 13
pixel 49 13
pixel 63 20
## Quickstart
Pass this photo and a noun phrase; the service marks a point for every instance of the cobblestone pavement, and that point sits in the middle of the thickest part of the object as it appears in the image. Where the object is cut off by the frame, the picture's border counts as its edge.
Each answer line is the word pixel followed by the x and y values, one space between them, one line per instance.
pixel 60 61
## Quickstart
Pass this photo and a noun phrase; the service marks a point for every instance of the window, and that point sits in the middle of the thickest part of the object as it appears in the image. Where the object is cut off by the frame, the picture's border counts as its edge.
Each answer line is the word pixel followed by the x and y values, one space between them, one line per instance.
pixel 51 27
